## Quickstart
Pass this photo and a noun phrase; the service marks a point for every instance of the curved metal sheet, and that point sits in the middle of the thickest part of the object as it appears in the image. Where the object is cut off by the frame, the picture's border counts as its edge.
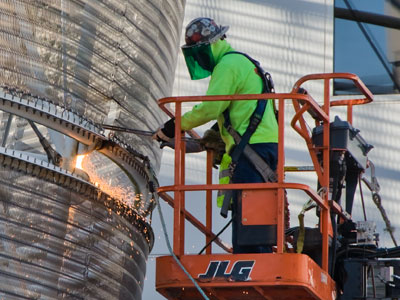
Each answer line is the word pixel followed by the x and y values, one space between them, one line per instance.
pixel 109 60
pixel 106 62
pixel 59 242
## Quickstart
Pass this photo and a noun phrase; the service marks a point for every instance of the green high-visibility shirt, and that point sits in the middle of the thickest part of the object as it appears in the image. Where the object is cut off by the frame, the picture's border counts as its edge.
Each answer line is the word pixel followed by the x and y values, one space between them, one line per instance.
pixel 233 74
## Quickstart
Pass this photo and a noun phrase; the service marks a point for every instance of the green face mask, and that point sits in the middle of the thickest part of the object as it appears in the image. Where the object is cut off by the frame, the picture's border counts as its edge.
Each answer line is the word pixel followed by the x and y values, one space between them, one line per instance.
pixel 199 60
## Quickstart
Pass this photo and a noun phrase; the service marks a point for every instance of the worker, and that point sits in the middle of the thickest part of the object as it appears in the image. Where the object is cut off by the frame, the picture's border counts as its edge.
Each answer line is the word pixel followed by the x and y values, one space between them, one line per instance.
pixel 206 53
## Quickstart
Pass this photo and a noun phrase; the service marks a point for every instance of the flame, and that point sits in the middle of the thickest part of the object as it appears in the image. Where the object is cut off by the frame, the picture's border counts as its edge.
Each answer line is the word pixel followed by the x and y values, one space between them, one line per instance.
pixel 79 160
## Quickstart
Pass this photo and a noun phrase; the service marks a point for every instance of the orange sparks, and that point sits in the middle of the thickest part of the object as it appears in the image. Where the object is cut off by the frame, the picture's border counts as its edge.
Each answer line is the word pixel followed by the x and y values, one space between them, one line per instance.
pixel 117 190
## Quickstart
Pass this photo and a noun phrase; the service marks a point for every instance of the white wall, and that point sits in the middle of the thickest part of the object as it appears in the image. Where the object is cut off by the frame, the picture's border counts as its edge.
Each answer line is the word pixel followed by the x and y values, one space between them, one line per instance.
pixel 290 39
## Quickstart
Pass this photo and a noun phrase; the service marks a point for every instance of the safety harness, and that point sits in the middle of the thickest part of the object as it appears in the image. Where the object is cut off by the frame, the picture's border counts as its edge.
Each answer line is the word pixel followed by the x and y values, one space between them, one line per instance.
pixel 229 162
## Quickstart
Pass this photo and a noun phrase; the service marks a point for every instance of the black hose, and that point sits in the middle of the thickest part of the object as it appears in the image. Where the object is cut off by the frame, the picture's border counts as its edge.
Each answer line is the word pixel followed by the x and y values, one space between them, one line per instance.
pixel 216 236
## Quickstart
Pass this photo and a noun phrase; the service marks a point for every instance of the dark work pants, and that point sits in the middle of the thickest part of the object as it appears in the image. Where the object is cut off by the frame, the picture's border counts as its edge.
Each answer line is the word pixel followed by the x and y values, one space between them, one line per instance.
pixel 245 172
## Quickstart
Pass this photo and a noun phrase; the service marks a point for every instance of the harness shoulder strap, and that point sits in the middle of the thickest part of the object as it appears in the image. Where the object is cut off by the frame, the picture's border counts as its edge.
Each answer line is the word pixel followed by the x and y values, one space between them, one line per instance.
pixel 242 142
pixel 255 118
pixel 268 84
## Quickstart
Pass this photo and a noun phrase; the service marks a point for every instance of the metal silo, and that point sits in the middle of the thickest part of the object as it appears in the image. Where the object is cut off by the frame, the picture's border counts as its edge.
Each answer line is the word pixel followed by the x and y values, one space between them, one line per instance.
pixel 66 67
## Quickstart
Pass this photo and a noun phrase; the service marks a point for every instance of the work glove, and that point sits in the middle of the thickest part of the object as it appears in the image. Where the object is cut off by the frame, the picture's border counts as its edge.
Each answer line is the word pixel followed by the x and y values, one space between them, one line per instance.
pixel 166 132
pixel 212 140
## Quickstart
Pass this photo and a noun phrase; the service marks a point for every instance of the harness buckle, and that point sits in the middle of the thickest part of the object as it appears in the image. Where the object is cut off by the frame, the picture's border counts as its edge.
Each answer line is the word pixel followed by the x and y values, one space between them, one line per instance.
pixel 232 167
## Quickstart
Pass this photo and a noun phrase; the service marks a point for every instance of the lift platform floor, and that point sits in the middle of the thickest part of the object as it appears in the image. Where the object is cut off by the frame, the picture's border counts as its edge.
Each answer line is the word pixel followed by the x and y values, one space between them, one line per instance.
pixel 244 276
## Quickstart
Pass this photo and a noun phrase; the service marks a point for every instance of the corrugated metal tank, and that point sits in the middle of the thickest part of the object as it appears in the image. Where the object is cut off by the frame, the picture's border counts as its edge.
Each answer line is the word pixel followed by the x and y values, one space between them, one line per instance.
pixel 57 243
pixel 66 233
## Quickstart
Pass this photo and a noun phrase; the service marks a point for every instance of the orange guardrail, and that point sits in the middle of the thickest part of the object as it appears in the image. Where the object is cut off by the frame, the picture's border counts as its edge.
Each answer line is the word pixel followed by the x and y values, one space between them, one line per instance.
pixel 302 103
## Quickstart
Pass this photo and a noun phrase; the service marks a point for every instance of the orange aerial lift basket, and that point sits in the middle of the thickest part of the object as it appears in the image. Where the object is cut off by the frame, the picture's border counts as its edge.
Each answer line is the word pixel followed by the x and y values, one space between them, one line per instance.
pixel 278 275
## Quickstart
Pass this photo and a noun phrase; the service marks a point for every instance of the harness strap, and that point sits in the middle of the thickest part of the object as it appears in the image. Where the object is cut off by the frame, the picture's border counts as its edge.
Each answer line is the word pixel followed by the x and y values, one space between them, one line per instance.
pixel 255 118
pixel 261 166
pixel 242 142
